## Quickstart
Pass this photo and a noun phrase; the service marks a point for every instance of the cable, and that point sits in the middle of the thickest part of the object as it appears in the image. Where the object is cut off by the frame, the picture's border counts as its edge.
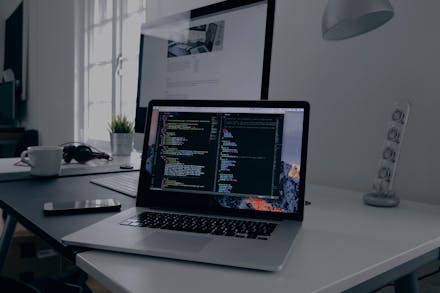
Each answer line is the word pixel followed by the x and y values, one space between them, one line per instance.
pixel 429 274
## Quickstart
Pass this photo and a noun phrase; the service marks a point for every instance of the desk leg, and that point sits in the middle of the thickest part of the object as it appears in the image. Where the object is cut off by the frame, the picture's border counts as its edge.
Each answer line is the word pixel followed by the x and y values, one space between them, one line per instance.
pixel 407 284
pixel 5 240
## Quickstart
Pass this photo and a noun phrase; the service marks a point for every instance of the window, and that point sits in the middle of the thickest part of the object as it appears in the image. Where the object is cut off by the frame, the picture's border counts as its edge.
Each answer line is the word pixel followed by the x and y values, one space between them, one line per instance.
pixel 111 50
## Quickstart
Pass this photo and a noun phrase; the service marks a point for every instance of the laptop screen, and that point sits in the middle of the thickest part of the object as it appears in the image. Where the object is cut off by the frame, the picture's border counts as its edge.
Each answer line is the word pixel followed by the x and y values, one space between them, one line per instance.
pixel 238 157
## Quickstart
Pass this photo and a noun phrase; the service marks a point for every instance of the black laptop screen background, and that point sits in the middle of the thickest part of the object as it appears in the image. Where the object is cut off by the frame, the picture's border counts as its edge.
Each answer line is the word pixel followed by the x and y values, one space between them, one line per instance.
pixel 247 159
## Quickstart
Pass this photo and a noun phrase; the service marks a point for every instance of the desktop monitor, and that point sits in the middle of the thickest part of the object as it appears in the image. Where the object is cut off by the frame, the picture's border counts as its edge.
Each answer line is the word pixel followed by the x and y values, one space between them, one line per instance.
pixel 7 103
pixel 220 52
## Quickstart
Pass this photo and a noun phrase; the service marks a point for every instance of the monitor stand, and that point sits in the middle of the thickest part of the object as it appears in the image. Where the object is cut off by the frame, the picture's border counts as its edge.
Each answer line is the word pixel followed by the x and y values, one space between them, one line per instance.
pixel 138 142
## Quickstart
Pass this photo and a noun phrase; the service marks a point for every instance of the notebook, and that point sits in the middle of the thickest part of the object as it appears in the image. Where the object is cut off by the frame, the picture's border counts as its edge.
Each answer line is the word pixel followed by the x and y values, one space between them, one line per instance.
pixel 221 182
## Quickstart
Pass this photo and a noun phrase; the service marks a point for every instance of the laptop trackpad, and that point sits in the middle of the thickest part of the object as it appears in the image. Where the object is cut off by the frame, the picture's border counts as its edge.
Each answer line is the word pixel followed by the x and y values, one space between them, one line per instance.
pixel 175 242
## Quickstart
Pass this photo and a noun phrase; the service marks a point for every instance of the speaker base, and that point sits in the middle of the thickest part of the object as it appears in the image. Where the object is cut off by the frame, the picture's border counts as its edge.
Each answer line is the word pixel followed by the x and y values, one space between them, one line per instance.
pixel 381 199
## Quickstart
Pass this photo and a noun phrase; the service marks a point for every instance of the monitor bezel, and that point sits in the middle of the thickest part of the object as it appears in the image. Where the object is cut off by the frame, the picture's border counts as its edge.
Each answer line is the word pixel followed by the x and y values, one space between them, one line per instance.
pixel 141 112
pixel 197 203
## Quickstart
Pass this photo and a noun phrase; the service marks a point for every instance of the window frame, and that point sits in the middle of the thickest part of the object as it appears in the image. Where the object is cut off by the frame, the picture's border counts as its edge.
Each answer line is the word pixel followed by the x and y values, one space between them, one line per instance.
pixel 120 15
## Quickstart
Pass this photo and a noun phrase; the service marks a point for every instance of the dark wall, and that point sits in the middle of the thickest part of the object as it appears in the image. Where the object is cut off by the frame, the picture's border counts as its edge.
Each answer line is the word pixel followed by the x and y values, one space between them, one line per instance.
pixel 14 45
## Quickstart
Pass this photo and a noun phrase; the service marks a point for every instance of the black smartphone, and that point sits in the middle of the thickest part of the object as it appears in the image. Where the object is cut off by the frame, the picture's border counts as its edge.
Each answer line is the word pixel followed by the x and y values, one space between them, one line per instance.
pixel 81 206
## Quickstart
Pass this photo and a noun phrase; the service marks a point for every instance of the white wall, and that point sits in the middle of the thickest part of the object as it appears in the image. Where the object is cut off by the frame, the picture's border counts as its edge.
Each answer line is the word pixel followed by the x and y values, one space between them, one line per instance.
pixel 51 66
pixel 50 107
pixel 6 9
pixel 352 86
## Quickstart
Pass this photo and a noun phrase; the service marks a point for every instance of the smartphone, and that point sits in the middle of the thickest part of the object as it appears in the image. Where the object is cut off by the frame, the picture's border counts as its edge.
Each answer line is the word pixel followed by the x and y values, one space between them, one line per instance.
pixel 81 206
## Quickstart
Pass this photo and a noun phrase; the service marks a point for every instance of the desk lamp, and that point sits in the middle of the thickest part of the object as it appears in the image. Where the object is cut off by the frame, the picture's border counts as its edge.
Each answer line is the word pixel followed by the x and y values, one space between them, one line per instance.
pixel 344 19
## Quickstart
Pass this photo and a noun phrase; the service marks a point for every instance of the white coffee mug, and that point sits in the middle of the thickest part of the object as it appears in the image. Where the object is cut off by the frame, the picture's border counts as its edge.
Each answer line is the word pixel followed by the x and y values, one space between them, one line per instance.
pixel 43 160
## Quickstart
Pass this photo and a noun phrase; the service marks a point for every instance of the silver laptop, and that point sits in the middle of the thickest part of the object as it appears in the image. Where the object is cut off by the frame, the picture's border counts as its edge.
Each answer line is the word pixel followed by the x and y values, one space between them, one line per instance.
pixel 221 182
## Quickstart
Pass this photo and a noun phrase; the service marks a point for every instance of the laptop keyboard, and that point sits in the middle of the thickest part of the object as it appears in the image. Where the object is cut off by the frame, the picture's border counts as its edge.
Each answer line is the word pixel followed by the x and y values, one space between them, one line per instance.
pixel 126 183
pixel 204 225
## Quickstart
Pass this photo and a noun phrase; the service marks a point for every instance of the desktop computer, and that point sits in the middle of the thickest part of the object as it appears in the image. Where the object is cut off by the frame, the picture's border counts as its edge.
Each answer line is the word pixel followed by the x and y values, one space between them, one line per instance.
pixel 220 52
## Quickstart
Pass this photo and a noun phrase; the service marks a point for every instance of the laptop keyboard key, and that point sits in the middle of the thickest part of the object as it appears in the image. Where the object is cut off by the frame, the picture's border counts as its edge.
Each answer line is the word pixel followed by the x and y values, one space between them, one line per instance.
pixel 203 225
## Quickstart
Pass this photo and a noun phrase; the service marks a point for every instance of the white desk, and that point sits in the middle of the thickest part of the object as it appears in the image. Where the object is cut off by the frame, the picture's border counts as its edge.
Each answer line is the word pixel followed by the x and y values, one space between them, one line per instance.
pixel 342 244
pixel 9 171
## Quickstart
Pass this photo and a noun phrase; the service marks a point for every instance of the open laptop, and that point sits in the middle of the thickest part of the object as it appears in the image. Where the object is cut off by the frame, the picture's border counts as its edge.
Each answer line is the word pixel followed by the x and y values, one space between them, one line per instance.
pixel 220 182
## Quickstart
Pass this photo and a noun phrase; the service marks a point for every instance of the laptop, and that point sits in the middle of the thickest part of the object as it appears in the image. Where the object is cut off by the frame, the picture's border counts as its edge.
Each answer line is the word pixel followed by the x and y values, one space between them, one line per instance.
pixel 221 182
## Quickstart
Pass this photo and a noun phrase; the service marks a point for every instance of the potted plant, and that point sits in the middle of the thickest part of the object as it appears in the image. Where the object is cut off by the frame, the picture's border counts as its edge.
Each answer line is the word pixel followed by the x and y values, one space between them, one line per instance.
pixel 121 135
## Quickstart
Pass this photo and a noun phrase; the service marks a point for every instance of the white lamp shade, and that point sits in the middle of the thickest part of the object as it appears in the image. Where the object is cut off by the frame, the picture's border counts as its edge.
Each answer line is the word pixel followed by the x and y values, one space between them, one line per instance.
pixel 343 19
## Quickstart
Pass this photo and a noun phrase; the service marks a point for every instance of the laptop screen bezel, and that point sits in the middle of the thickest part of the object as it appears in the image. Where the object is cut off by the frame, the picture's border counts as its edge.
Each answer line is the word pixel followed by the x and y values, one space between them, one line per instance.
pixel 186 202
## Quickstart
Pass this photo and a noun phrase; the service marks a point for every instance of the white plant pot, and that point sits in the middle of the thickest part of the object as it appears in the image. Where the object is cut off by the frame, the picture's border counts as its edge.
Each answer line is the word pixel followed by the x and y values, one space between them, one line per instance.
pixel 121 143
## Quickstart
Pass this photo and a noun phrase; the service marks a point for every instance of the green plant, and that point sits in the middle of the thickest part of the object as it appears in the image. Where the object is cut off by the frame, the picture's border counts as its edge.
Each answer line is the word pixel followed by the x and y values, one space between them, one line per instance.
pixel 120 124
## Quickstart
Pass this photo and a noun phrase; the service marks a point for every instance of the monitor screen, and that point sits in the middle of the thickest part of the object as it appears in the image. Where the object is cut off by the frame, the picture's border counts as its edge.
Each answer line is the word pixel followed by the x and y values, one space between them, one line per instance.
pixel 7 103
pixel 219 52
